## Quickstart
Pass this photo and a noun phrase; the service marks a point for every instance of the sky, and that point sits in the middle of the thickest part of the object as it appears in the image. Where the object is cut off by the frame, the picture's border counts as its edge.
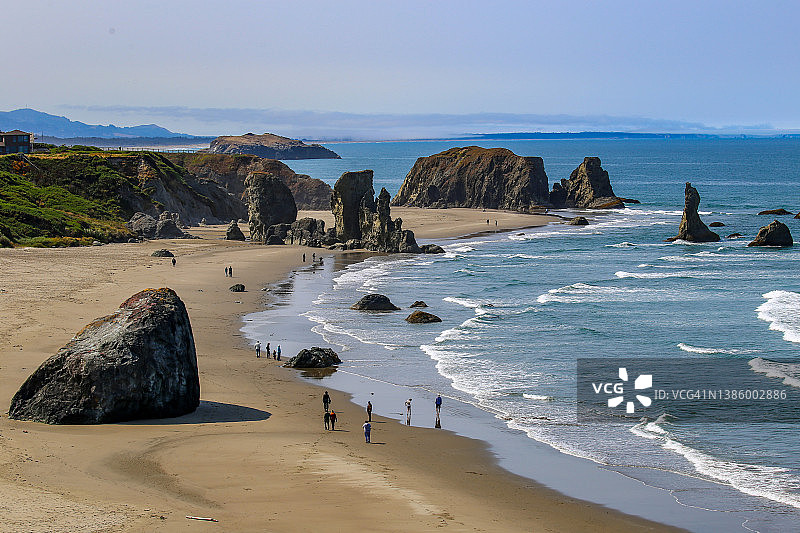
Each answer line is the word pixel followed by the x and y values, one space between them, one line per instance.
pixel 407 68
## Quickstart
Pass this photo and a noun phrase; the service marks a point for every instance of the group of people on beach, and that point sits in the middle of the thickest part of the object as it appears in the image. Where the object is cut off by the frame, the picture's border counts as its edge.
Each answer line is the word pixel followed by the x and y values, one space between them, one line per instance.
pixel 276 353
pixel 228 271
pixel 329 418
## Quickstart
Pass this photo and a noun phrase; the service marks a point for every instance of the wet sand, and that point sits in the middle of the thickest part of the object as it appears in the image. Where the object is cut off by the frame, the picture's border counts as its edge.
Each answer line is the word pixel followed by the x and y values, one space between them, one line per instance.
pixel 254 456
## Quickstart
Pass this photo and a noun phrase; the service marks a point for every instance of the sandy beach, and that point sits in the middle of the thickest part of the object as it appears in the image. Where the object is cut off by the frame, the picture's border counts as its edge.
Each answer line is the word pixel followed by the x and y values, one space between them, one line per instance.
pixel 254 456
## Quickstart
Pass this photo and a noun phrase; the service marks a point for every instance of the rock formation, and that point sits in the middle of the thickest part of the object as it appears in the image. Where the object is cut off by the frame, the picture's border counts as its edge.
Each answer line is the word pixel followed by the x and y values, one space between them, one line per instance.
pixel 419 303
pixel 578 221
pixel 138 362
pixel 734 236
pixel 237 287
pixel 233 233
pixel 421 317
pixel 773 234
pixel 780 211
pixel 431 249
pixel 693 229
pixel 491 178
pixel 374 302
pixel 229 172
pixel 359 217
pixel 162 253
pixel 314 358
pixel 587 187
pixel 270 146
pixel 147 227
pixel 716 225
pixel 269 202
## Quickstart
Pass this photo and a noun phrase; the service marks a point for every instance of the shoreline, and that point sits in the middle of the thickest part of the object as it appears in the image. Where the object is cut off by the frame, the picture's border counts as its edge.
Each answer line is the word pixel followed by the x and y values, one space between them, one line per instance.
pixel 252 455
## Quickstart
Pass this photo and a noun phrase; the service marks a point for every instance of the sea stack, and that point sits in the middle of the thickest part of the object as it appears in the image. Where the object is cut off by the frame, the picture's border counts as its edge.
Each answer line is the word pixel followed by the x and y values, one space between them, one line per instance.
pixel 773 234
pixel 490 178
pixel 587 187
pixel 270 202
pixel 693 229
pixel 136 363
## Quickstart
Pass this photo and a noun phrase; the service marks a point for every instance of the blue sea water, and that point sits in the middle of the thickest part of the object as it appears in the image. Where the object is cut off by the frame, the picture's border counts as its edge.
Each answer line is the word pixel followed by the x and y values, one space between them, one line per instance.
pixel 519 308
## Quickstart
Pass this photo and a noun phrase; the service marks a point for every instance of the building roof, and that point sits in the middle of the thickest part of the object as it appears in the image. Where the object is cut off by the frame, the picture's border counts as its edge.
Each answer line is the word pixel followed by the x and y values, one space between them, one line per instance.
pixel 15 132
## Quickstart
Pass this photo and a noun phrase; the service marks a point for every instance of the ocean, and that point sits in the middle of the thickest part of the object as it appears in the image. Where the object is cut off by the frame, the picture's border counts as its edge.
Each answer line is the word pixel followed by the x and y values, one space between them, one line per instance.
pixel 519 308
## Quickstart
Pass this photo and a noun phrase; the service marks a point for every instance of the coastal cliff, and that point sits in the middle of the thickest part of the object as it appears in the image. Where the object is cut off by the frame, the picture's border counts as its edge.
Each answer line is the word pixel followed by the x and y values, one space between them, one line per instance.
pixel 230 170
pixel 269 146
pixel 491 178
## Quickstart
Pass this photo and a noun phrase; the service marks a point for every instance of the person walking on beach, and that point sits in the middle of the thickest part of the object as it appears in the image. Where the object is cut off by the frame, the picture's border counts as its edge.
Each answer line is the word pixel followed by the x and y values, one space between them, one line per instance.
pixel 173 261
pixel 226 272
pixel 314 257
pixel 367 429
pixel 304 258
pixel 279 352
pixel 267 350
pixel 438 404
pixel 230 271
pixel 326 401
pixel 408 412
pixel 369 413
pixel 333 420
pixel 258 349
pixel 327 418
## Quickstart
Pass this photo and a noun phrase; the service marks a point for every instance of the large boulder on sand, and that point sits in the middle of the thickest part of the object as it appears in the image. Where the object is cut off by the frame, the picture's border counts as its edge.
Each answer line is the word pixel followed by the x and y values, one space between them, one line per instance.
pixel 138 362
pixel 233 233
pixel 143 225
pixel 693 229
pixel 167 226
pixel 314 358
pixel 421 317
pixel 374 302
pixel 773 234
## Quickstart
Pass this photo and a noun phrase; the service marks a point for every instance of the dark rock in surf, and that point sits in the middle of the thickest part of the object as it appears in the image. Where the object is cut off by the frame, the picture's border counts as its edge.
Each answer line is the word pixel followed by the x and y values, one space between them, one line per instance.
pixel 136 363
pixel 734 236
pixel 314 358
pixel 778 212
pixel 578 221
pixel 773 234
pixel 432 249
pixel 421 317
pixel 587 187
pixel 374 302
pixel 419 303
pixel 693 229
pixel 716 225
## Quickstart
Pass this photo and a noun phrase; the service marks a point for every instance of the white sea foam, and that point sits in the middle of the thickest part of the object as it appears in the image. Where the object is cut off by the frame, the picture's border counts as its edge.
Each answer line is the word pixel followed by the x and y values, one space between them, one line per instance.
pixel 536 397
pixel 655 275
pixel 586 293
pixel 697 349
pixel 771 482
pixel 782 311
pixel 788 372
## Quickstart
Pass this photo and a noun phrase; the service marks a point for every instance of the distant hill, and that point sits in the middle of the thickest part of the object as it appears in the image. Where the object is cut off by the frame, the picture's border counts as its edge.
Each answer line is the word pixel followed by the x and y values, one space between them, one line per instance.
pixel 586 135
pixel 52 126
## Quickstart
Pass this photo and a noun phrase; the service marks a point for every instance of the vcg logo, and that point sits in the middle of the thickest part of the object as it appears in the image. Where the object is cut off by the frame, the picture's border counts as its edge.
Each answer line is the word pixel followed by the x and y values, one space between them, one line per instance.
pixel 644 381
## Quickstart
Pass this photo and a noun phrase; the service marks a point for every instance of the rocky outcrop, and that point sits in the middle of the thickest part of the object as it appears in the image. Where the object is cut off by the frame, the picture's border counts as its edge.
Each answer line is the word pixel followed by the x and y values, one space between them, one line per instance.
pixel 229 172
pixel 431 249
pixel 578 221
pixel 162 253
pixel 374 302
pixel 306 231
pixel 269 202
pixel 419 303
pixel 233 233
pixel 361 217
pixel 491 178
pixel 773 234
pixel 314 358
pixel 587 187
pixel 716 225
pixel 147 227
pixel 270 146
pixel 734 236
pixel 421 317
pixel 693 229
pixel 136 363
pixel 237 287
pixel 778 212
